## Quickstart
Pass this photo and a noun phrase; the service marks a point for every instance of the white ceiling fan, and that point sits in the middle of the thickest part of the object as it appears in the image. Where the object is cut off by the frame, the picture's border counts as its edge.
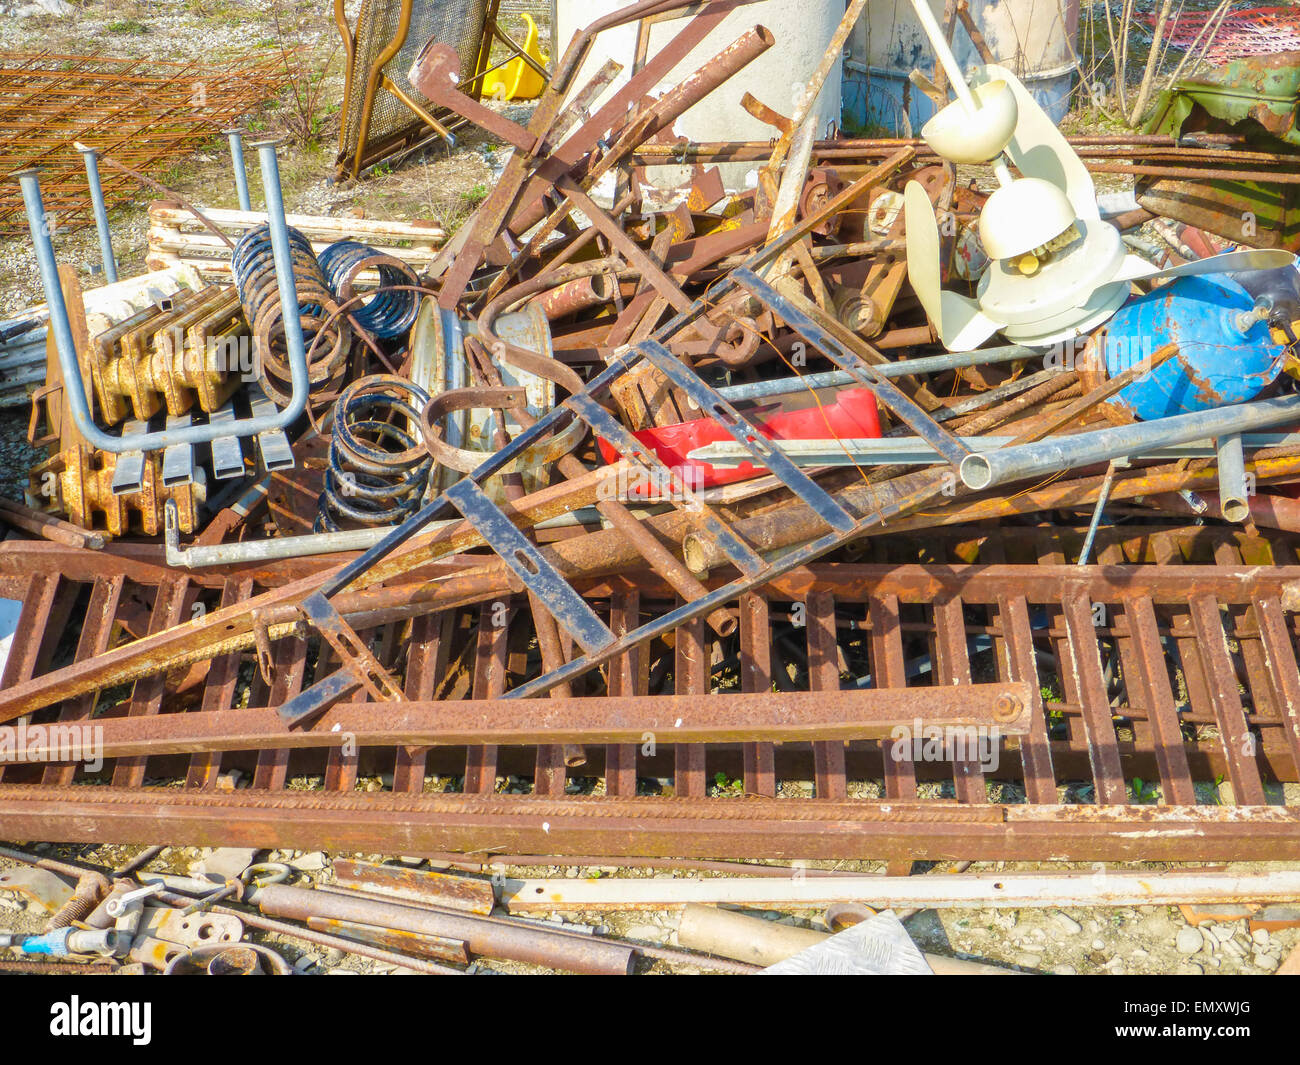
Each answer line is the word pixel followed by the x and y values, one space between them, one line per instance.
pixel 1058 270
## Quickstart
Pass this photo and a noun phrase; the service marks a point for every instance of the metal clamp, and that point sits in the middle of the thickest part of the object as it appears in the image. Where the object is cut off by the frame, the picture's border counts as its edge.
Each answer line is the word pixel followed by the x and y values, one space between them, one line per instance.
pixel 119 905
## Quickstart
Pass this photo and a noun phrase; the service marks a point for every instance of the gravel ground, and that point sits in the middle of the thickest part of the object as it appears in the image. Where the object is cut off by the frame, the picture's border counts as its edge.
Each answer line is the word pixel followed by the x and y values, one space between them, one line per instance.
pixel 1099 941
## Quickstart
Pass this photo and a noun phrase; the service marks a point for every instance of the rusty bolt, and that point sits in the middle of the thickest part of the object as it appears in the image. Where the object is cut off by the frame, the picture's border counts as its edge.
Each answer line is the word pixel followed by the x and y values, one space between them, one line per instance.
pixel 1006 708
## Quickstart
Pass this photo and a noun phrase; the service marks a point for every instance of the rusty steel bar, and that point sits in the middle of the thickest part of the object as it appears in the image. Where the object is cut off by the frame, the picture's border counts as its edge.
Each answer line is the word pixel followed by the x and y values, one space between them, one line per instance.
pixel 47 526
pixel 683 719
pixel 69 967
pixel 1208 173
pixel 526 943
pixel 434 948
pixel 417 885
pixel 932 831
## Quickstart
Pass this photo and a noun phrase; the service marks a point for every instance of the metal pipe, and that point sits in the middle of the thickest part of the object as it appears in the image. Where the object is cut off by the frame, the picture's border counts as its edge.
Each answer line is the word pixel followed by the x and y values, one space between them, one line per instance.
pixel 1101 445
pixel 735 934
pixel 493 939
pixel 1233 495
pixel 236 139
pixel 199 556
pixel 576 295
pixel 912 450
pixel 73 387
pixel 90 158
pixel 930 364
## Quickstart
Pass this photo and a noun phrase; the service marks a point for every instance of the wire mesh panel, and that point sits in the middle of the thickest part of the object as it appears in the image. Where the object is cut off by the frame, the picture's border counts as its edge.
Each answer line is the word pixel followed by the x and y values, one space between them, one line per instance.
pixel 143 114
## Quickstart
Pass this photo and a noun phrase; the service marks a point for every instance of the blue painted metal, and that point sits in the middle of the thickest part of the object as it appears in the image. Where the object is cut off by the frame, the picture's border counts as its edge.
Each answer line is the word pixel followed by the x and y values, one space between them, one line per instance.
pixel 1032 37
pixel 389 314
pixel 873 97
pixel 1218 362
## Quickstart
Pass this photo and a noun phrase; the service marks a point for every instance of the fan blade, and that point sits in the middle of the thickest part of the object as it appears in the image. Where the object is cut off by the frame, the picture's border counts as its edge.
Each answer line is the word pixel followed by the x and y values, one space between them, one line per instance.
pixel 923 269
pixel 1136 269
pixel 965 326
pixel 955 318
pixel 1038 148
pixel 923 250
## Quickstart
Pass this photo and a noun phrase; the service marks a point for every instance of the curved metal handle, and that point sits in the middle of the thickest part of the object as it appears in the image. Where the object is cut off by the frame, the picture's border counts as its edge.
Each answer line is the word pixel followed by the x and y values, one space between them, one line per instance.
pixel 74 388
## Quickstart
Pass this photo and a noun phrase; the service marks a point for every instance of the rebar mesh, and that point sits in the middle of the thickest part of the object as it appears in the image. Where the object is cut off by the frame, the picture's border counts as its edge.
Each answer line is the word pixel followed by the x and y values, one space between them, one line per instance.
pixel 142 113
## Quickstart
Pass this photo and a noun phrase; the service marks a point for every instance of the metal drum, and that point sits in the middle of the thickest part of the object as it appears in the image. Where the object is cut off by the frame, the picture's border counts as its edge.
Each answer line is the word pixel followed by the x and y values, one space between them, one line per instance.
pixel 1225 353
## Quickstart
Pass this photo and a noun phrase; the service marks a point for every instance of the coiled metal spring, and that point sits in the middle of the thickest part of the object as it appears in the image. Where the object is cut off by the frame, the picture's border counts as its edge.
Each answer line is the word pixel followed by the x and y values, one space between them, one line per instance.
pixel 259 295
pixel 378 466
pixel 388 314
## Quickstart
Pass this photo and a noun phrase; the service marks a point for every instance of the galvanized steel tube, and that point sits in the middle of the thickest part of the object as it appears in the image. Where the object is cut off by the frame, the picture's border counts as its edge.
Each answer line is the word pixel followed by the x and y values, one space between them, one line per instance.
pixel 1233 496
pixel 90 157
pixel 902 368
pixel 74 390
pixel 241 174
pixel 1102 445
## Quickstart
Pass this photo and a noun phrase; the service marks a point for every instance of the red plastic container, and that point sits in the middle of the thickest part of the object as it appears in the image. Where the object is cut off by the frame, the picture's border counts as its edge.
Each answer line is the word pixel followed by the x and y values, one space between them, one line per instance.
pixel 853 414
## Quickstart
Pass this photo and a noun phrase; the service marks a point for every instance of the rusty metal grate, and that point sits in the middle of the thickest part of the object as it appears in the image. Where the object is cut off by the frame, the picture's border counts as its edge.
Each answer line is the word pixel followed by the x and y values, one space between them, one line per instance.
pixel 1180 673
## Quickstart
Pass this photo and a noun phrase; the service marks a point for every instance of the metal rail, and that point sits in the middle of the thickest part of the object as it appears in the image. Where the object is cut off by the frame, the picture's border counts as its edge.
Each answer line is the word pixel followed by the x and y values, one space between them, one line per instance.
pixel 1183 674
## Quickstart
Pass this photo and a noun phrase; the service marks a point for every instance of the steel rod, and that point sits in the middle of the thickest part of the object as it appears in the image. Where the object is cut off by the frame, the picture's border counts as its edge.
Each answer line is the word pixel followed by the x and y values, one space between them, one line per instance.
pixel 90 157
pixel 241 173
pixel 901 368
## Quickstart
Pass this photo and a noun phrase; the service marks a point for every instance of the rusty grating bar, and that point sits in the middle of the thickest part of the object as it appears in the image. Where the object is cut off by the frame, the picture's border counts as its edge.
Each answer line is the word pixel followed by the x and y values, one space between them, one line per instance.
pixel 1179 674
pixel 146 114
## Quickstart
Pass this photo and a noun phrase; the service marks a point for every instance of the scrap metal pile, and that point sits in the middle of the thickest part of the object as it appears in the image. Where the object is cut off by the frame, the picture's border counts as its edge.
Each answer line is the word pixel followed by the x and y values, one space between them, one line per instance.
pixel 639 499
pixel 449 919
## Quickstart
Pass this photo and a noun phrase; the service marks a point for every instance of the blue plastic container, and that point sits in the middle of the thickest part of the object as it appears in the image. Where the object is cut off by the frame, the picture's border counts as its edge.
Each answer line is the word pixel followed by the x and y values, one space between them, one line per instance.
pixel 1217 363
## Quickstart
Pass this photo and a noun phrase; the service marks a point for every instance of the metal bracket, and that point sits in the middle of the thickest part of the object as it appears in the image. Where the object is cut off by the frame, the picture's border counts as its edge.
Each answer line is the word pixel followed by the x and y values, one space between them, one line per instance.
pixel 569 608
pixel 227 452
pixel 178 459
pixel 361 669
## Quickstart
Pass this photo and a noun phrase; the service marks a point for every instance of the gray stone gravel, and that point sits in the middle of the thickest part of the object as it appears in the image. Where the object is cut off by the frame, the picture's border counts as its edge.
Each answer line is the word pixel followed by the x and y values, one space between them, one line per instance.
pixel 16 456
